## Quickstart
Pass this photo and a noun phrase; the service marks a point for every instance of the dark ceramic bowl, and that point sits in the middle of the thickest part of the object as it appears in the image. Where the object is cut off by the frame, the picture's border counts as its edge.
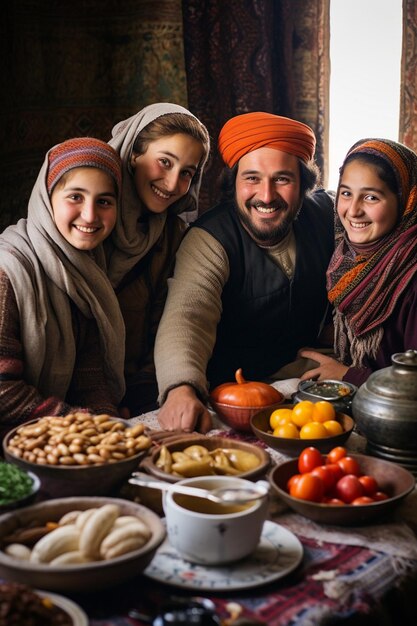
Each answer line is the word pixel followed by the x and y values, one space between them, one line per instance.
pixel 293 447
pixel 396 481
pixel 339 393
pixel 30 497
pixel 238 417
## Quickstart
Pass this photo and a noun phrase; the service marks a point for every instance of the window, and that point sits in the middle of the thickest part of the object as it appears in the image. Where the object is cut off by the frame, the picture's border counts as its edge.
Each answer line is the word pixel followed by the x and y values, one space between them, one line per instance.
pixel 365 59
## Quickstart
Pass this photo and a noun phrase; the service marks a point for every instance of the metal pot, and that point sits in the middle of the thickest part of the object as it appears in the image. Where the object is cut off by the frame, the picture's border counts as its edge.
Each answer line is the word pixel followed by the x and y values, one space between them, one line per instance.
pixel 385 411
pixel 339 393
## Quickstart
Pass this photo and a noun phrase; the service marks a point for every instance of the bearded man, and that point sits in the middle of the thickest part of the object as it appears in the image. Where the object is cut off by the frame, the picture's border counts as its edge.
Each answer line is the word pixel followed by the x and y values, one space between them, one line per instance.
pixel 249 287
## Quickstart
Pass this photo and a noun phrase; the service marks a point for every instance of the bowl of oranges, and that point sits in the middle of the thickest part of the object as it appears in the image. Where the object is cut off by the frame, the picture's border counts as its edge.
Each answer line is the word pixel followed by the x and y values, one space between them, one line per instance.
pixel 291 427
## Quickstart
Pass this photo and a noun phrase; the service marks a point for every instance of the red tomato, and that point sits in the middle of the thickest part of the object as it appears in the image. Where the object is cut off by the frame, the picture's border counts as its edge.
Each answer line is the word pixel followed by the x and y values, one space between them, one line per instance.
pixel 335 470
pixel 308 459
pixel 308 487
pixel 292 481
pixel 335 454
pixel 349 465
pixel 328 477
pixel 334 502
pixel 362 500
pixel 379 496
pixel 348 488
pixel 369 484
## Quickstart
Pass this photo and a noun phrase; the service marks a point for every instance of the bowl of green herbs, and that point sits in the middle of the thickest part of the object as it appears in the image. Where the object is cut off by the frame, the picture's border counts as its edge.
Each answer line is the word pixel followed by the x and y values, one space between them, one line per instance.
pixel 17 486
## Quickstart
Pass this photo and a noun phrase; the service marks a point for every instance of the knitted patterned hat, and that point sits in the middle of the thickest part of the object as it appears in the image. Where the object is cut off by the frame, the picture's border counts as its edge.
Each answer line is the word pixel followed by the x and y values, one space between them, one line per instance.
pixel 83 152
pixel 244 133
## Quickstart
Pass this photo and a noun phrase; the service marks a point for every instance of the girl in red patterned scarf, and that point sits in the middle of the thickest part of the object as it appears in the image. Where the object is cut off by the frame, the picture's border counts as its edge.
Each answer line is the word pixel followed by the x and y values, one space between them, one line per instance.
pixel 372 276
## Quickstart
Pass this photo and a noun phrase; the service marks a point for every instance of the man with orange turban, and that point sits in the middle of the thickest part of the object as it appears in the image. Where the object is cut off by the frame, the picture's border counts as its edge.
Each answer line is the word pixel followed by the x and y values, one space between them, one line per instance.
pixel 249 286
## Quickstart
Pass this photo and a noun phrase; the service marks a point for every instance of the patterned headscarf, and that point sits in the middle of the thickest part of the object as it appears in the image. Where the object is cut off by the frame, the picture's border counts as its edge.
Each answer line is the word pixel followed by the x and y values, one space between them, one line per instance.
pixel 365 288
pixel 83 152
pixel 130 241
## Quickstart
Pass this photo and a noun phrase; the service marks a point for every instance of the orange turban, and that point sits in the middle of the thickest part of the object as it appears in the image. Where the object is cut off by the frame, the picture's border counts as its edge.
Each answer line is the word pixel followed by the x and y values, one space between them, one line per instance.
pixel 250 131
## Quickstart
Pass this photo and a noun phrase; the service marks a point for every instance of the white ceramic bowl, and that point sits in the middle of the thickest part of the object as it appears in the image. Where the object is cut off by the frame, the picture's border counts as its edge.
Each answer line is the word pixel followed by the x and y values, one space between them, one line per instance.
pixel 208 533
pixel 76 613
pixel 77 577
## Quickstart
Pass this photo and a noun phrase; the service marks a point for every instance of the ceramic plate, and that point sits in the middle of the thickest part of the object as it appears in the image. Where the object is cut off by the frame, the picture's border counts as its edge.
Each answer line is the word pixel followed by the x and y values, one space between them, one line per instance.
pixel 278 553
pixel 76 613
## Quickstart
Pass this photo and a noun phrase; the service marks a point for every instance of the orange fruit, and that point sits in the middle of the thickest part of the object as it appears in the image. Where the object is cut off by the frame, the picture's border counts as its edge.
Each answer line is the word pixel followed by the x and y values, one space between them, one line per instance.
pixel 280 416
pixel 313 430
pixel 287 431
pixel 302 413
pixel 333 427
pixel 323 411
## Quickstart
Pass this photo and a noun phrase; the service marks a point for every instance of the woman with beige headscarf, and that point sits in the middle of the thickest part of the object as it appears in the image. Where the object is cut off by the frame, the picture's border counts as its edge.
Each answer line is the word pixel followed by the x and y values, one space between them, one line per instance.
pixel 163 149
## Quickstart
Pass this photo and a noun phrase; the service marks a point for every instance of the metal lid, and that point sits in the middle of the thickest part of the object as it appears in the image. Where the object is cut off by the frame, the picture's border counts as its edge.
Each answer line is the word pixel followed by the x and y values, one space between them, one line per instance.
pixel 399 381
pixel 408 358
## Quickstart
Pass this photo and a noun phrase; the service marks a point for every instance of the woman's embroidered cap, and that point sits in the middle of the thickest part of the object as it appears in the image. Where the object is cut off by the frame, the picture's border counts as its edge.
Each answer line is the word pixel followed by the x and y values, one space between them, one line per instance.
pixel 250 131
pixel 83 152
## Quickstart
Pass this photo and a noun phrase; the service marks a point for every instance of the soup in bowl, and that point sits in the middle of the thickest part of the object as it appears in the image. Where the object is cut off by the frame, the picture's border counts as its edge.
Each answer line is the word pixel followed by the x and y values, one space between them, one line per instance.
pixel 211 533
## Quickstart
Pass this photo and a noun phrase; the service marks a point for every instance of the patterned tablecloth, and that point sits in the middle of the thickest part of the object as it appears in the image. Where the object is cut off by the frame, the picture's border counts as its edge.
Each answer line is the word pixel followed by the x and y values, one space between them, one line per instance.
pixel 335 584
pixel 352 576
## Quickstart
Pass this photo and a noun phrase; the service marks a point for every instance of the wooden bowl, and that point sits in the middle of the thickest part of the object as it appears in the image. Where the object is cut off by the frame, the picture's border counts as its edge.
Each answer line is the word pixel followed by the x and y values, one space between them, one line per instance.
pixel 292 447
pixel 77 480
pixel 239 417
pixel 396 481
pixel 211 443
pixel 78 577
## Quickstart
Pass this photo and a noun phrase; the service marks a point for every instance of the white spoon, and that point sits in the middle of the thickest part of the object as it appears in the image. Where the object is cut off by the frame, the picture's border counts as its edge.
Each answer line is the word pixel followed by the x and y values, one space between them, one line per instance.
pixel 221 495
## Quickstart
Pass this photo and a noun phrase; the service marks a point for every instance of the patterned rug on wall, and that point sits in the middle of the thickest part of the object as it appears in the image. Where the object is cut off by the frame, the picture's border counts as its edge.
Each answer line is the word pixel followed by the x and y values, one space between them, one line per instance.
pixel 246 55
pixel 408 106
pixel 75 69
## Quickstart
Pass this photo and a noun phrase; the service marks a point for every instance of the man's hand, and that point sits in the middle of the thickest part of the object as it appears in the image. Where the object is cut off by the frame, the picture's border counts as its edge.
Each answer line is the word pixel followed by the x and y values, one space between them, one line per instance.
pixel 124 412
pixel 328 367
pixel 182 410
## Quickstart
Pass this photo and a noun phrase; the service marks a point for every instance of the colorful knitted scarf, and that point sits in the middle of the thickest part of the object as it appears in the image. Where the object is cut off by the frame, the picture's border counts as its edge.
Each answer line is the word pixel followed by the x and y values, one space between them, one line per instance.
pixel 364 288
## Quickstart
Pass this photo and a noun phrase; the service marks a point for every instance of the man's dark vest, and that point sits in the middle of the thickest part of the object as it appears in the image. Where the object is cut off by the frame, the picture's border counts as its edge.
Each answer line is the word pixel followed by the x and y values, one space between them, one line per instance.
pixel 267 317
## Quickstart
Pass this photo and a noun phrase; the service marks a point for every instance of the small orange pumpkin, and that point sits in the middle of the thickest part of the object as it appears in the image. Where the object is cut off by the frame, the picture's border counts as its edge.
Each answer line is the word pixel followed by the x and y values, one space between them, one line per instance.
pixel 246 393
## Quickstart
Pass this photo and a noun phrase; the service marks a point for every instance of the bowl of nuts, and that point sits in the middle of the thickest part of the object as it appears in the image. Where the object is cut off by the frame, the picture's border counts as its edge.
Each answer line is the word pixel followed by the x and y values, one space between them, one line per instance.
pixel 78 544
pixel 71 455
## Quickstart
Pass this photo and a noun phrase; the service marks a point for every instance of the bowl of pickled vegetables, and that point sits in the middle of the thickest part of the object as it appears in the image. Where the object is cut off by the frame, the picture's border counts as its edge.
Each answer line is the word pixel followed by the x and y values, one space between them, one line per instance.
pixel 189 456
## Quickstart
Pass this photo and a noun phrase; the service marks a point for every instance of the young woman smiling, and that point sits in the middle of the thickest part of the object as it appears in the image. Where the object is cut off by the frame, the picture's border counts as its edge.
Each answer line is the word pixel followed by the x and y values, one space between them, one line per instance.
pixel 372 277
pixel 60 323
pixel 164 149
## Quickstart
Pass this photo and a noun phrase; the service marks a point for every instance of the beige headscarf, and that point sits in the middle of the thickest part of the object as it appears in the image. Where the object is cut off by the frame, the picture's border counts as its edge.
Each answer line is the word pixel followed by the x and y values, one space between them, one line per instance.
pixel 130 240
pixel 46 273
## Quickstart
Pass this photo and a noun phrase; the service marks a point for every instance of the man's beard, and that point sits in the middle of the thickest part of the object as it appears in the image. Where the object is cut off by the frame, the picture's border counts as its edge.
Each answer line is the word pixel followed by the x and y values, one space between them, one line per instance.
pixel 270 235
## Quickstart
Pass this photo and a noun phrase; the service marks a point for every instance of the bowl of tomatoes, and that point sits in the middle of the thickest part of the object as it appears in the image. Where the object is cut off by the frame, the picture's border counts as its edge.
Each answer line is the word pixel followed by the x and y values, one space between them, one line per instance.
pixel 341 488
pixel 289 428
